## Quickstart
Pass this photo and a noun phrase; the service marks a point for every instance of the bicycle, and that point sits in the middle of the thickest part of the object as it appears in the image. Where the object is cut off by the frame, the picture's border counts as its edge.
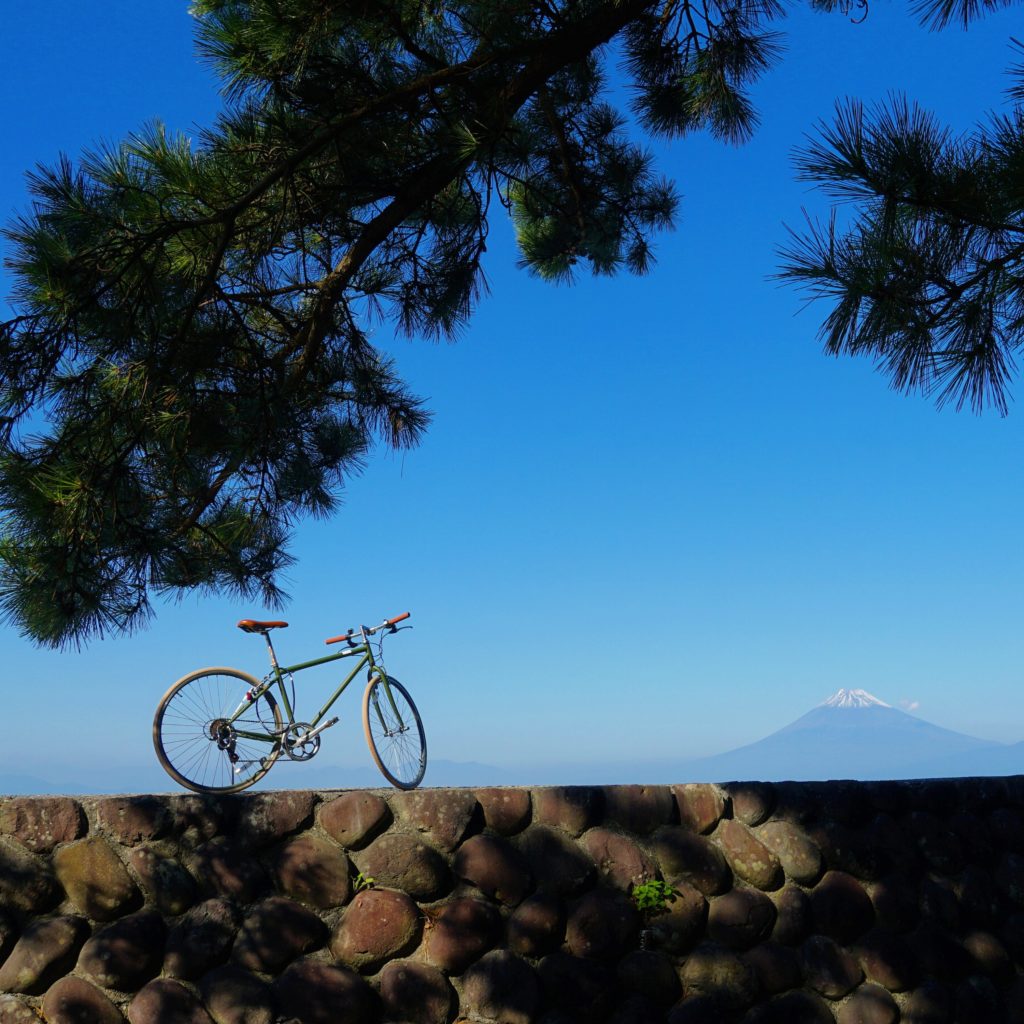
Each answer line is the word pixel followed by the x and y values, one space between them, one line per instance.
pixel 219 730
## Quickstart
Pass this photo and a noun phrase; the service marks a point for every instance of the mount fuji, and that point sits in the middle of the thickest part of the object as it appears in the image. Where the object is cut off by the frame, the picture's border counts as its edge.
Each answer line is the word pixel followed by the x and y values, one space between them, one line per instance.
pixel 854 735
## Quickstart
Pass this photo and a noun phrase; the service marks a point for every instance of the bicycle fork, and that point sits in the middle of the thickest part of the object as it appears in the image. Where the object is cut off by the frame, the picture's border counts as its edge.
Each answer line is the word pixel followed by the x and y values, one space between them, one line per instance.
pixel 403 726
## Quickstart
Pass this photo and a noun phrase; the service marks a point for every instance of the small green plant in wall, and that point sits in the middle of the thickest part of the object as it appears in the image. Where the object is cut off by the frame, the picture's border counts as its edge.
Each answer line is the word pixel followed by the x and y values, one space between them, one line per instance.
pixel 361 882
pixel 653 897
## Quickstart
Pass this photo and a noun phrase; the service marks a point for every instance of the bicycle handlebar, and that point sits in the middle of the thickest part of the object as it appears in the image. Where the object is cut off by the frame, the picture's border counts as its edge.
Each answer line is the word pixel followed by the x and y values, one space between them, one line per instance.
pixel 367 629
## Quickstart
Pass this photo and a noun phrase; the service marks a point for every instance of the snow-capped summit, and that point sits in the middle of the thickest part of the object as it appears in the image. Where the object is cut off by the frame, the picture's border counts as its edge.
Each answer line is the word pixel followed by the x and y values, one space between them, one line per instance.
pixel 853 699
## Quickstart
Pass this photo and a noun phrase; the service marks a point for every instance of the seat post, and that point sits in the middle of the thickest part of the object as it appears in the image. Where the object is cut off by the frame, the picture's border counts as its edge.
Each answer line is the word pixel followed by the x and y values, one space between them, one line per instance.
pixel 270 650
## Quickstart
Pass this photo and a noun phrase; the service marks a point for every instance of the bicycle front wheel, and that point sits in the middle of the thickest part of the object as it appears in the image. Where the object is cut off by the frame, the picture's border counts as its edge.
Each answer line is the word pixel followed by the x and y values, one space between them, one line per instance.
pixel 196 745
pixel 394 732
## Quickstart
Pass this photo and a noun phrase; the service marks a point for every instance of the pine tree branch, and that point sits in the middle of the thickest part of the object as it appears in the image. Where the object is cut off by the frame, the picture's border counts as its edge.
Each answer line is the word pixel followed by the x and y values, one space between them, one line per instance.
pixel 568 169
pixel 556 51
pixel 209 496
pixel 348 179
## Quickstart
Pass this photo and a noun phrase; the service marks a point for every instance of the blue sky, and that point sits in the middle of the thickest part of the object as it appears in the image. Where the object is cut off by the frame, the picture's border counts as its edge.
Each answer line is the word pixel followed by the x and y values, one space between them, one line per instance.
pixel 650 519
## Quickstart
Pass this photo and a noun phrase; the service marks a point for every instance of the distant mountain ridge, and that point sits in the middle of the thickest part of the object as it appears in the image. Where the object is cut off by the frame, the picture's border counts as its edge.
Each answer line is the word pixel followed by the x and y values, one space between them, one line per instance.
pixel 851 735
pixel 316 775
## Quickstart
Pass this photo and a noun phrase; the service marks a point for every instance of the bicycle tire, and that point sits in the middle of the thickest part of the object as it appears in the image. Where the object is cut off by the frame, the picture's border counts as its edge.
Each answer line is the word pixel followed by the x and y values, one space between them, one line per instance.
pixel 187 742
pixel 401 755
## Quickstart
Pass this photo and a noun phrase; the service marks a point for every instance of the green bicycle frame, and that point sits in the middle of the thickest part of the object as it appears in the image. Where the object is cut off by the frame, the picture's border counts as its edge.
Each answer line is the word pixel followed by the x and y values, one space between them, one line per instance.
pixel 278 674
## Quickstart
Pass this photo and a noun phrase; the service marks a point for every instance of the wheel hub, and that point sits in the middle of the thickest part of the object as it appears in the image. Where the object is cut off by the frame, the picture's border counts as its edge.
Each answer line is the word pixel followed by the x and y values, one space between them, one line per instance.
pixel 224 736
pixel 221 733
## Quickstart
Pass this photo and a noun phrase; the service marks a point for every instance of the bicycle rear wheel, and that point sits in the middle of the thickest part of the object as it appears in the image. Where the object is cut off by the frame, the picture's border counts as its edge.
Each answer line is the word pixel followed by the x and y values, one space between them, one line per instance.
pixel 394 732
pixel 195 744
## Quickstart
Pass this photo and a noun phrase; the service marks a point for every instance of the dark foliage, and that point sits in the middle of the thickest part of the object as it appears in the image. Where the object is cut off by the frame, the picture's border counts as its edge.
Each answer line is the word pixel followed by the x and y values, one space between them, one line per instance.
pixel 191 368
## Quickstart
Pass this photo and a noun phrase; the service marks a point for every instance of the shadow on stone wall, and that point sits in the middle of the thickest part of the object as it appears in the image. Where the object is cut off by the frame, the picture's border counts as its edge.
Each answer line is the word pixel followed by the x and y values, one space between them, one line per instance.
pixel 798 903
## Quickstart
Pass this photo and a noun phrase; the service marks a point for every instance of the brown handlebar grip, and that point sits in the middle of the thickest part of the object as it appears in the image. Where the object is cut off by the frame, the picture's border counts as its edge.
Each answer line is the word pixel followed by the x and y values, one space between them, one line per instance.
pixel 337 639
pixel 398 618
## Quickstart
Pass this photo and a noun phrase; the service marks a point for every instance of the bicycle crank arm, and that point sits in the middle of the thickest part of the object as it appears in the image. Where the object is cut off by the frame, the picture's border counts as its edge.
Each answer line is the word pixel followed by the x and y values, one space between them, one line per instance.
pixel 319 729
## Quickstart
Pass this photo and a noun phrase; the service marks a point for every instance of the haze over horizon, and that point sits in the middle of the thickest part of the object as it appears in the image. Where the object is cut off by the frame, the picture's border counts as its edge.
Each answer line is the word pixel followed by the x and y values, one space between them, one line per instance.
pixel 650 521
pixel 850 735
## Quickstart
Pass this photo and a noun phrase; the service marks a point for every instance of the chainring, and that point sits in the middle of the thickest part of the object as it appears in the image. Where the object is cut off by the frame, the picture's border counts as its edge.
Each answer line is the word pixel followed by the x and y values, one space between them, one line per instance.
pixel 297 748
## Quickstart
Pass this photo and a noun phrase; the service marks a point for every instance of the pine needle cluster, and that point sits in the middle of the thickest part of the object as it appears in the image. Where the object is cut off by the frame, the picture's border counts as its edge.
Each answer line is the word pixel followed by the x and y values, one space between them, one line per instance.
pixel 926 276
pixel 192 369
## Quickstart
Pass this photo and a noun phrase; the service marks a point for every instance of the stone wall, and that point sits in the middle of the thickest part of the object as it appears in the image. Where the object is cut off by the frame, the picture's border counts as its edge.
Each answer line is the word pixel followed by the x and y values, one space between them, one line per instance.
pixel 856 903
